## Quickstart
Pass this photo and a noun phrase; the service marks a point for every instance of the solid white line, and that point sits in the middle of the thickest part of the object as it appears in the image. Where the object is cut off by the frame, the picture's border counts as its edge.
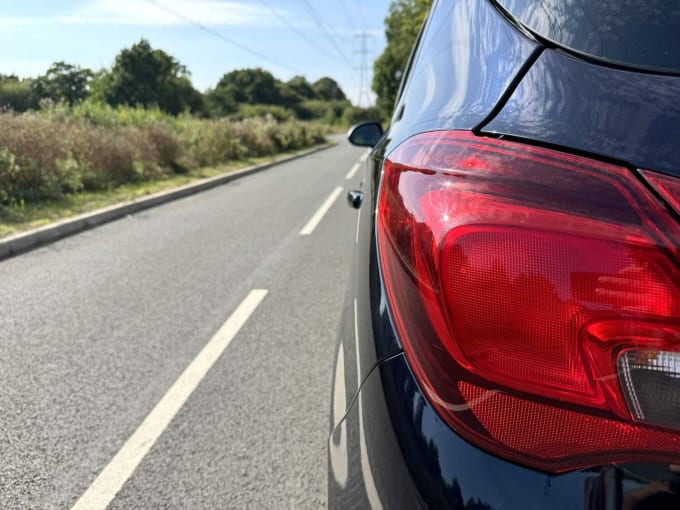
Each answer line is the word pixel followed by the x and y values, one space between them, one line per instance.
pixel 321 212
pixel 366 471
pixel 364 157
pixel 118 471
pixel 353 171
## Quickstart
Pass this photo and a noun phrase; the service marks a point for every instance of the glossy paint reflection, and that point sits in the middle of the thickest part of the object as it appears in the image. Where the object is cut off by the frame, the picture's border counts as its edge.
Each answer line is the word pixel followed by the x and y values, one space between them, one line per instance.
pixel 454 474
pixel 627 116
pixel 458 74
pixel 636 33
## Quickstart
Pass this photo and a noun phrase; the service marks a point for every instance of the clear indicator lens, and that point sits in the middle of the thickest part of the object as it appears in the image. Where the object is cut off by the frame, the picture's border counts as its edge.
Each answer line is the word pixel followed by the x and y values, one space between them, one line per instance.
pixel 651 382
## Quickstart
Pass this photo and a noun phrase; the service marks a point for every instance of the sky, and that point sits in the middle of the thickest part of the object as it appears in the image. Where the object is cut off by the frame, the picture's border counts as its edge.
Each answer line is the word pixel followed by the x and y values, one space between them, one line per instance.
pixel 313 38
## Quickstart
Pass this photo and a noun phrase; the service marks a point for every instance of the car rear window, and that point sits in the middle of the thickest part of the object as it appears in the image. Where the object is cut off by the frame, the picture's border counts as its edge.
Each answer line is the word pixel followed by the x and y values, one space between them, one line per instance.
pixel 643 34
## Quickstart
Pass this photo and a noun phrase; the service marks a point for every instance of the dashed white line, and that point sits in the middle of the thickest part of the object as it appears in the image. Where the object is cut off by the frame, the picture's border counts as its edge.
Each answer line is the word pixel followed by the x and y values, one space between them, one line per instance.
pixel 364 157
pixel 118 471
pixel 321 212
pixel 353 171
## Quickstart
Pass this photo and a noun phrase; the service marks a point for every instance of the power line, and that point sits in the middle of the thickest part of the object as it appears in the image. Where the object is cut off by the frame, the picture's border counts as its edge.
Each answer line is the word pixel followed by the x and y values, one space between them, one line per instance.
pixel 357 3
pixel 224 38
pixel 322 26
pixel 282 19
pixel 349 19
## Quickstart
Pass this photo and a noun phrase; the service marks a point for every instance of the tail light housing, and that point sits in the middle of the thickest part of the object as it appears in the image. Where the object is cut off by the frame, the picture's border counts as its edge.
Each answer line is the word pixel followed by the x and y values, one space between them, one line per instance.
pixel 537 297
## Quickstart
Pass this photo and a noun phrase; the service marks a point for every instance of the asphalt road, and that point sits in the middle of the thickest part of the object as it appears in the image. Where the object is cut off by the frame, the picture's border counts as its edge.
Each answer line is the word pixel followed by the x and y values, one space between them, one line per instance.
pixel 96 329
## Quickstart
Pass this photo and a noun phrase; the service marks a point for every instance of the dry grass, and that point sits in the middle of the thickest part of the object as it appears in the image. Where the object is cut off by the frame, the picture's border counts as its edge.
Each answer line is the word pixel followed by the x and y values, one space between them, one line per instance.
pixel 29 215
pixel 63 152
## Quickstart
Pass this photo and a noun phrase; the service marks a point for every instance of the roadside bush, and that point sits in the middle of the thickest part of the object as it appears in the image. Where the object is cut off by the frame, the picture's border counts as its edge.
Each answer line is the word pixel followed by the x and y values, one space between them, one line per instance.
pixel 212 142
pixel 354 115
pixel 9 169
pixel 22 182
pixel 92 147
pixel 246 111
pixel 209 142
pixel 18 96
pixel 328 112
pixel 105 115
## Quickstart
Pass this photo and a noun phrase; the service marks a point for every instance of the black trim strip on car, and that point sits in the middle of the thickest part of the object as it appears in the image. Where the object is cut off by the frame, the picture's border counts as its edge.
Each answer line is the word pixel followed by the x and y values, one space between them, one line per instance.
pixel 510 90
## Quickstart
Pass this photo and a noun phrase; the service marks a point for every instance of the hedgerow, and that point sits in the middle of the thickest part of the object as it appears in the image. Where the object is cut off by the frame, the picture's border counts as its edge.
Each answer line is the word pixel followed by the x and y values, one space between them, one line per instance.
pixel 91 147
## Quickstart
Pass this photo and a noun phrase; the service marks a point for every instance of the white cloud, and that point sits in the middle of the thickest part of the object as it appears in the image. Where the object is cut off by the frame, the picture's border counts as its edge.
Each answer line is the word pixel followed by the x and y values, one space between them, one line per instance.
pixel 150 13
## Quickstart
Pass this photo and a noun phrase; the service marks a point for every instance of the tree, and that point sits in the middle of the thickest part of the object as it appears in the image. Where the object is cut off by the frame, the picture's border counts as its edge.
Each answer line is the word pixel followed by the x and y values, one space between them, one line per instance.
pixel 244 86
pixel 328 89
pixel 63 82
pixel 288 97
pixel 17 95
pixel 147 77
pixel 401 30
pixel 355 114
pixel 301 87
pixel 220 102
pixel 250 86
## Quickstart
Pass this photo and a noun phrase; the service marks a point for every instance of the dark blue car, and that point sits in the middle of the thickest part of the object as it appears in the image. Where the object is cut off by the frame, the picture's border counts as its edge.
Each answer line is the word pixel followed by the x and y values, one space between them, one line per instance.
pixel 512 332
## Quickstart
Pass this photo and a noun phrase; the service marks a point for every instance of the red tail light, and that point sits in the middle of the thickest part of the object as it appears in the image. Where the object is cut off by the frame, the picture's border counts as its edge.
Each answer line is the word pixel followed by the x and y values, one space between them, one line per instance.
pixel 537 297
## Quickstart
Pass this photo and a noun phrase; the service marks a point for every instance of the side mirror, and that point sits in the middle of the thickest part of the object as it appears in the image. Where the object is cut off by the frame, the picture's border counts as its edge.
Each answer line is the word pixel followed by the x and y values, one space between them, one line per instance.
pixel 366 134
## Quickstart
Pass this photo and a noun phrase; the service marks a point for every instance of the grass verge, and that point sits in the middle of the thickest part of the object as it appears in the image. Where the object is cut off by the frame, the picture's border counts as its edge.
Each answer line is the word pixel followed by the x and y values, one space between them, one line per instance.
pixel 16 219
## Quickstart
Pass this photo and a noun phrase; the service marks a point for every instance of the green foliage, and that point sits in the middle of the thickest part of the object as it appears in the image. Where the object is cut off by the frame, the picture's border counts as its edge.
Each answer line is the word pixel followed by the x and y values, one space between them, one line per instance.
pixel 328 89
pixel 220 102
pixel 92 147
pixel 288 97
pixel 72 130
pixel 17 95
pixel 401 30
pixel 102 114
pixel 355 115
pixel 98 85
pixel 328 112
pixel 147 77
pixel 148 83
pixel 279 113
pixel 301 87
pixel 257 87
pixel 9 170
pixel 211 142
pixel 249 86
pixel 63 83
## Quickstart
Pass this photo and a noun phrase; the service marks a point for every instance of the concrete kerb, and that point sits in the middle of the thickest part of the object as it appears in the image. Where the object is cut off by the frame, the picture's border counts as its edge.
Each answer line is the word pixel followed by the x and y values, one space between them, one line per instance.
pixel 26 241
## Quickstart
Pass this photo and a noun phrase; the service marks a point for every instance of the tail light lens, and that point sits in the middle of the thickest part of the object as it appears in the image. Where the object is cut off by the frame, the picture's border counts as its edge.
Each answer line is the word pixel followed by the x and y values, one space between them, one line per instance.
pixel 537 298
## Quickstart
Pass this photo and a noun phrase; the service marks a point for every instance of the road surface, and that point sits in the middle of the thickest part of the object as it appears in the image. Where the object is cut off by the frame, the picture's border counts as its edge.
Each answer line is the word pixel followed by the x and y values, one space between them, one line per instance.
pixel 244 285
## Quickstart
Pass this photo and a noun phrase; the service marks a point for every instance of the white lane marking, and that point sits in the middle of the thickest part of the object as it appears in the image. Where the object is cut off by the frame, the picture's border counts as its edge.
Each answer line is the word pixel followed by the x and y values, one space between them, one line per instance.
pixel 369 482
pixel 364 157
pixel 321 212
pixel 118 471
pixel 353 171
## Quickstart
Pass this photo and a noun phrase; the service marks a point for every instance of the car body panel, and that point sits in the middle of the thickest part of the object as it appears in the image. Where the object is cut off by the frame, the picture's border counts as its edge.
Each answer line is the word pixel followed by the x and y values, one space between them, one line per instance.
pixel 465 72
pixel 642 34
pixel 403 444
pixel 389 448
pixel 633 117
pixel 374 479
